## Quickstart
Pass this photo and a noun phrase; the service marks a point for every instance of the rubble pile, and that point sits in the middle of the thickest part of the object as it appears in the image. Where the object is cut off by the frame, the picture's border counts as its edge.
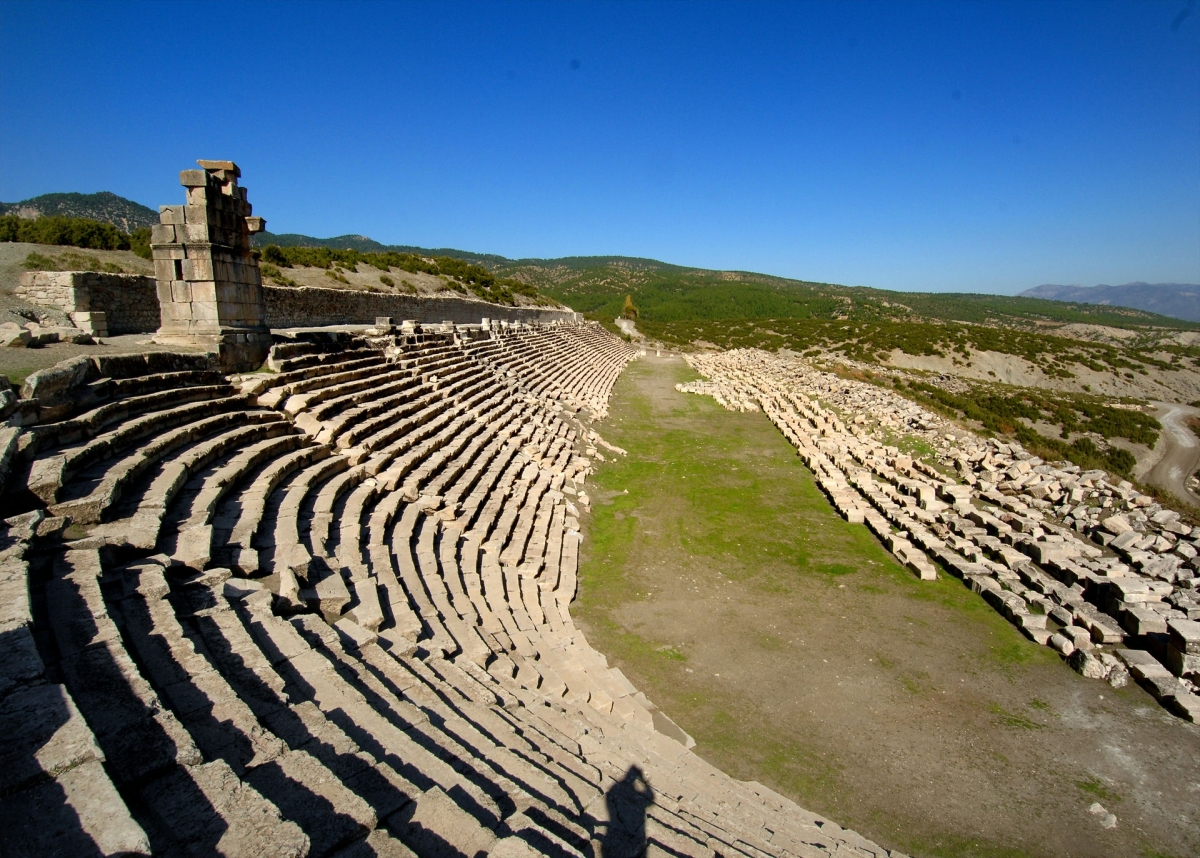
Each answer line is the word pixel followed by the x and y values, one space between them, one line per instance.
pixel 1079 562
pixel 34 335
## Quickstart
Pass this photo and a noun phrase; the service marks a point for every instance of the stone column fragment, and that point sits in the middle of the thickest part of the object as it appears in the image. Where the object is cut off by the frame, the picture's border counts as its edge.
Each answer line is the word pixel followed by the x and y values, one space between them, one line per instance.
pixel 209 284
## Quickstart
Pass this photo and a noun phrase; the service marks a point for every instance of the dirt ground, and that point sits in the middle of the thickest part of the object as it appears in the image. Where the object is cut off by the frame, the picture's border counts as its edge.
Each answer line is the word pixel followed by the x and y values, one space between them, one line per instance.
pixel 13 253
pixel 797 653
pixel 18 363
pixel 1181 385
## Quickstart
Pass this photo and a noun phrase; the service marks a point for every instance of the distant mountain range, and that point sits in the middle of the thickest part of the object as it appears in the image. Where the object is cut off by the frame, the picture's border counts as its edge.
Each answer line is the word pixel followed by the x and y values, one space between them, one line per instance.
pixel 1179 300
pixel 598 285
pixel 363 244
pixel 104 206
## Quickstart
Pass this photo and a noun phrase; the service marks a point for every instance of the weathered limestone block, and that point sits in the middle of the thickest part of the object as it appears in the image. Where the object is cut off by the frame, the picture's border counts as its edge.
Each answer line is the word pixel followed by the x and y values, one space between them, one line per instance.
pixel 209 285
pixel 1183 647
pixel 14 337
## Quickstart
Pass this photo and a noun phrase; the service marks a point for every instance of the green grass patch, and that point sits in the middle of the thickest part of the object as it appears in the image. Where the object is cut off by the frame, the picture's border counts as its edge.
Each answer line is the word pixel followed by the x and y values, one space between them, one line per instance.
pixel 954 846
pixel 670 653
pixel 1012 719
pixel 17 376
pixel 722 488
pixel 1095 788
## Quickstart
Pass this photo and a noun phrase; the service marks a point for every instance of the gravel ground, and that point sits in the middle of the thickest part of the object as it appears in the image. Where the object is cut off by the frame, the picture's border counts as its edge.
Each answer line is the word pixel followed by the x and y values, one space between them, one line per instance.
pixel 18 363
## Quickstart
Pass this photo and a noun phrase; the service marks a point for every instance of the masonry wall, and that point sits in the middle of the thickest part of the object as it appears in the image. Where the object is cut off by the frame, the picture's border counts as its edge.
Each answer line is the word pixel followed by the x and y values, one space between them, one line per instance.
pixel 316 307
pixel 132 306
pixel 129 301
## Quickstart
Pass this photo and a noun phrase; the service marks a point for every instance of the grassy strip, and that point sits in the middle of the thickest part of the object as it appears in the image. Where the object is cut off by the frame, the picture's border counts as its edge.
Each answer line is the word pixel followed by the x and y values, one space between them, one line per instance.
pixel 723 497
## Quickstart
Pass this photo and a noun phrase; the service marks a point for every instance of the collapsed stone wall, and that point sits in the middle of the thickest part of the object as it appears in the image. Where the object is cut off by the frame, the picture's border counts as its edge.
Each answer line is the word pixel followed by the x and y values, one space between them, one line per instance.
pixel 315 307
pixel 128 302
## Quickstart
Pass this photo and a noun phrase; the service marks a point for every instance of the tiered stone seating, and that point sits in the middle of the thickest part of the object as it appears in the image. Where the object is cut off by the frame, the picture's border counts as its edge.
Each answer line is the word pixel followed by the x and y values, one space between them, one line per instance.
pixel 324 611
pixel 1123 603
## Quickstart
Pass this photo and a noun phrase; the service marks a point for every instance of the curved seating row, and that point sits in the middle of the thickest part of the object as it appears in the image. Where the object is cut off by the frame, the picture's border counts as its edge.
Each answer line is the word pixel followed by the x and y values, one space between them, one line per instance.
pixel 325 611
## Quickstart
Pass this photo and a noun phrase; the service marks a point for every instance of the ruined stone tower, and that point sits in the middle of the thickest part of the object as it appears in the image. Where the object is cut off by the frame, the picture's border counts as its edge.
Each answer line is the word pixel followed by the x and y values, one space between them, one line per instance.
pixel 209 285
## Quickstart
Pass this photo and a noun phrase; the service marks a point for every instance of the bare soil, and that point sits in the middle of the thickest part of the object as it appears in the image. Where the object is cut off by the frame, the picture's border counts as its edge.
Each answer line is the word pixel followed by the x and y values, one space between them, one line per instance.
pixel 797 653
pixel 1181 385
pixel 18 363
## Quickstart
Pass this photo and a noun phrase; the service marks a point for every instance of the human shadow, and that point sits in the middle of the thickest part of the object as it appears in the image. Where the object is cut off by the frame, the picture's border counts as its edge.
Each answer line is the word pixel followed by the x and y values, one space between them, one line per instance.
pixel 36 722
pixel 628 801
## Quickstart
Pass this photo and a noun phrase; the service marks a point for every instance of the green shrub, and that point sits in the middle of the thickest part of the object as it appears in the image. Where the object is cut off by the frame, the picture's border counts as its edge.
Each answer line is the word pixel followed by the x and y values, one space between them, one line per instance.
pixel 275 256
pixel 272 273
pixel 36 262
pixel 64 231
pixel 74 232
pixel 69 260
pixel 386 281
pixel 139 242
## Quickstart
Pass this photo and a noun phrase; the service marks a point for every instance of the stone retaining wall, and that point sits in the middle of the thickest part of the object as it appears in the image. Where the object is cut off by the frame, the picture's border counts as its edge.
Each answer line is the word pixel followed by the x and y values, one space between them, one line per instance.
pixel 129 301
pixel 316 307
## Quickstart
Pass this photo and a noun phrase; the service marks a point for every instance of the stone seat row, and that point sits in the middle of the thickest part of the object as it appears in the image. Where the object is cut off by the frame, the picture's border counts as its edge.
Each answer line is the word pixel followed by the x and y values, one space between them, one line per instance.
pixel 264 640
pixel 1058 590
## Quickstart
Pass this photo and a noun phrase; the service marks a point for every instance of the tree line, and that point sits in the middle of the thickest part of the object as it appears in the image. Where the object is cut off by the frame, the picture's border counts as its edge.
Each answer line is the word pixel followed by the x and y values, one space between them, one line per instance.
pixel 81 232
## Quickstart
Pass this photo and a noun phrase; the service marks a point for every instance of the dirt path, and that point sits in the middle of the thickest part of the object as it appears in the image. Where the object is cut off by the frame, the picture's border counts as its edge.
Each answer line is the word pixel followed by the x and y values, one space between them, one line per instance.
pixel 1182 451
pixel 797 653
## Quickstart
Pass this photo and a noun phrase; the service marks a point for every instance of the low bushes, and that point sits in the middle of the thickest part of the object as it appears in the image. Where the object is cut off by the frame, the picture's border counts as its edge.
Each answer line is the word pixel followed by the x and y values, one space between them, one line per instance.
pixel 74 232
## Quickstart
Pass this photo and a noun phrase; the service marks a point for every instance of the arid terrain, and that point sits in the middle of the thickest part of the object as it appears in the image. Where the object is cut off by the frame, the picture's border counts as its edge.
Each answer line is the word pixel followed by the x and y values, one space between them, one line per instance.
pixel 797 652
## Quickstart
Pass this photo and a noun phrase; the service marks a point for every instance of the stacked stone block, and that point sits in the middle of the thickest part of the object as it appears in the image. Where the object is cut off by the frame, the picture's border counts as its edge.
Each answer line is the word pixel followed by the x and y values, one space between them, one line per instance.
pixel 209 285
pixel 309 307
pixel 101 304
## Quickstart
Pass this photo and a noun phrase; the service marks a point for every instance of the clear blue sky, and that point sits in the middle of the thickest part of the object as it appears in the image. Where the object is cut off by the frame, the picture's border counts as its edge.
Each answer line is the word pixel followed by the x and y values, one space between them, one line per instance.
pixel 941 146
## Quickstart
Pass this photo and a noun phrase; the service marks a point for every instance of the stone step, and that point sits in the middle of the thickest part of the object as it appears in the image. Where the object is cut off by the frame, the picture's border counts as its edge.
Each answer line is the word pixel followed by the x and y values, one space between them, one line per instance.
pixel 238 530
pixel 46 436
pixel 50 472
pixel 491 767
pixel 208 810
pixel 289 384
pixel 138 736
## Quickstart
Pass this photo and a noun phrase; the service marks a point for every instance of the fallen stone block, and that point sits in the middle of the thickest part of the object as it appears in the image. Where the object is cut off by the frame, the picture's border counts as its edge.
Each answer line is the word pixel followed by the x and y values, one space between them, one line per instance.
pixel 1061 643
pixel 1116 525
pixel 1087 664
pixel 1185 636
pixel 1186 706
pixel 1183 648
pixel 1143 621
pixel 13 337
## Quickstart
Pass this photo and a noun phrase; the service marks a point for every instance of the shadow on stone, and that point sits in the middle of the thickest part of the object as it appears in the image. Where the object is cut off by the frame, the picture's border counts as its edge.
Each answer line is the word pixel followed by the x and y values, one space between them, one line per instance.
pixel 43 738
pixel 627 801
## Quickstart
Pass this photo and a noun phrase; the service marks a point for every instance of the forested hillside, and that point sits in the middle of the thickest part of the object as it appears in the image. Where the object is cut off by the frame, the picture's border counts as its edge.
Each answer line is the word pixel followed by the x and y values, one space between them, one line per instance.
pixel 106 207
